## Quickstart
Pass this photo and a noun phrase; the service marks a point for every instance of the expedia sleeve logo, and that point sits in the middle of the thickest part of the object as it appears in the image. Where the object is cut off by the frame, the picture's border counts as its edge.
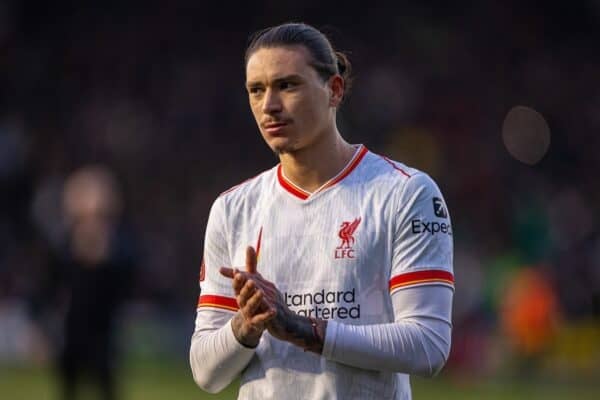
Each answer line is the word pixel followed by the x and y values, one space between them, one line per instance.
pixel 431 228
pixel 439 208
pixel 419 226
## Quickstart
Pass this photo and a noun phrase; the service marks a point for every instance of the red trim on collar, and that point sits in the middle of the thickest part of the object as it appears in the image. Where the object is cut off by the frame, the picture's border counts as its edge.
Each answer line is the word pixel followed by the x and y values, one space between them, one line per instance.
pixel 346 171
pixel 289 187
pixel 298 192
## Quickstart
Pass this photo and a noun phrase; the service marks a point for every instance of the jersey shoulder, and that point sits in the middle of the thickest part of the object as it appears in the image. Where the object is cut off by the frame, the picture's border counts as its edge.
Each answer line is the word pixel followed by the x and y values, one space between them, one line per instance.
pixel 404 183
pixel 250 188
pixel 394 174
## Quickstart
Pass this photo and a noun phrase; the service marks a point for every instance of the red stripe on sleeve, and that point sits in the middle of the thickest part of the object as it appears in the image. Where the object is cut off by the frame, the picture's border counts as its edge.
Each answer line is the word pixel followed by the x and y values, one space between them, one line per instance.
pixel 226 303
pixel 418 277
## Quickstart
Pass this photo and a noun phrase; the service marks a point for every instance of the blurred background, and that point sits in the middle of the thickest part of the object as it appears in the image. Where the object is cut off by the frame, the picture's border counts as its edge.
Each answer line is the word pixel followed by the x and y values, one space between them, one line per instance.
pixel 121 121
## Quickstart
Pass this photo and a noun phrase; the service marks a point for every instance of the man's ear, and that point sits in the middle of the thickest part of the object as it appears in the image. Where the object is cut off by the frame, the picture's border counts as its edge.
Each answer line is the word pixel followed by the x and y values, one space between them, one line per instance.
pixel 336 90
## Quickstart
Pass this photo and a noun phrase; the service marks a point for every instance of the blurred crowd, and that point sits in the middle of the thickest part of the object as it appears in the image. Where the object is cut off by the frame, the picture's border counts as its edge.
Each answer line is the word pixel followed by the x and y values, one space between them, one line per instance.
pixel 153 93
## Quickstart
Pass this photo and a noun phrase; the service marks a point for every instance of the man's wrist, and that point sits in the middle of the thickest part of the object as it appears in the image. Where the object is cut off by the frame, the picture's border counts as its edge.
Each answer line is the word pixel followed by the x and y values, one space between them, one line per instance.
pixel 308 333
pixel 319 329
pixel 245 339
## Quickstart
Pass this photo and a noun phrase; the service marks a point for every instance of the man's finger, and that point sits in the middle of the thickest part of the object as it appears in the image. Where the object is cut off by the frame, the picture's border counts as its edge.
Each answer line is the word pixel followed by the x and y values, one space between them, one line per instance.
pixel 245 293
pixel 250 260
pixel 239 280
pixel 226 272
pixel 253 304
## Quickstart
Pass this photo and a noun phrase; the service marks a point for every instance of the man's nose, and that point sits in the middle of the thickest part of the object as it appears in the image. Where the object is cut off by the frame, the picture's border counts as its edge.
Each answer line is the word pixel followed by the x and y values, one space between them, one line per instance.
pixel 271 102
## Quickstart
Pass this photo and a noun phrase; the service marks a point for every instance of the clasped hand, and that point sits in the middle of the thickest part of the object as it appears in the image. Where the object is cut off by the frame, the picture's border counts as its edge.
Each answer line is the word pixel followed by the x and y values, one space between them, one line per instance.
pixel 261 305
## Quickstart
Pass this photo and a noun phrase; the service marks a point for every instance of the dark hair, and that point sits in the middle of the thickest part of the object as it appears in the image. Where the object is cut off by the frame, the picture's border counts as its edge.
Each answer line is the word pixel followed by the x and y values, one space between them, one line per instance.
pixel 325 60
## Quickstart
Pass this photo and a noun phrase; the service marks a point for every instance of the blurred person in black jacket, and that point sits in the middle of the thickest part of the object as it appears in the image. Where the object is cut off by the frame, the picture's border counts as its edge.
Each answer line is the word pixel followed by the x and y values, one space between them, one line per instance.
pixel 95 268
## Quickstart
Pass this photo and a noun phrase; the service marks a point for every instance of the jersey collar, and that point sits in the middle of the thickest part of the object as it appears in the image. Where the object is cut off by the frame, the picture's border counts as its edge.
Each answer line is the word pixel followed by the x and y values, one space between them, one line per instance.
pixel 297 191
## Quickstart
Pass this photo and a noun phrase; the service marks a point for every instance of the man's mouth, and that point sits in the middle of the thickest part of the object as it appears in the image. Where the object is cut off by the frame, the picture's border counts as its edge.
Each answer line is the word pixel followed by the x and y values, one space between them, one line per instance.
pixel 274 127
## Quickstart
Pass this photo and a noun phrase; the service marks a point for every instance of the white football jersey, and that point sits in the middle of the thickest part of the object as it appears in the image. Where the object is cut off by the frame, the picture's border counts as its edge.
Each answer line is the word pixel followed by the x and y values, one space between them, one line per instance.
pixel 339 253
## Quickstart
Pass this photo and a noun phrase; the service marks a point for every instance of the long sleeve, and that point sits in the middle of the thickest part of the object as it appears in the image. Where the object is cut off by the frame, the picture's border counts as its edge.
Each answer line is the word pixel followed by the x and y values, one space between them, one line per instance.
pixel 216 357
pixel 418 342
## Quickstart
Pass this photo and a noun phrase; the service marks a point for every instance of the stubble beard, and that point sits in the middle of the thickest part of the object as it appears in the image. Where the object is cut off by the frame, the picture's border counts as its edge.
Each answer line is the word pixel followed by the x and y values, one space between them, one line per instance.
pixel 289 148
pixel 281 151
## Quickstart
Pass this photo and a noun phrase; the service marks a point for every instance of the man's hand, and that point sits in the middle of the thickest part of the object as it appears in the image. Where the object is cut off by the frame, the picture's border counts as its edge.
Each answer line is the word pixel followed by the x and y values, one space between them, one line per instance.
pixel 250 321
pixel 262 306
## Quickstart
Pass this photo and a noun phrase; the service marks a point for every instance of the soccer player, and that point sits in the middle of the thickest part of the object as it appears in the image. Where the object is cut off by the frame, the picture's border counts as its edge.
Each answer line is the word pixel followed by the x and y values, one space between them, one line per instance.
pixel 328 276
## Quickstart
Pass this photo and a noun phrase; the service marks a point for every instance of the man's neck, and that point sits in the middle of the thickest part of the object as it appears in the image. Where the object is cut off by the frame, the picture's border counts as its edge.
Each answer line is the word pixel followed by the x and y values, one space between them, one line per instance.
pixel 312 167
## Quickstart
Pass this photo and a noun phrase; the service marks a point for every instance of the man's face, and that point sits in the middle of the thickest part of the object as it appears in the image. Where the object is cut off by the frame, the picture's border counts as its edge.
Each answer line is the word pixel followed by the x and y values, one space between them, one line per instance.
pixel 290 102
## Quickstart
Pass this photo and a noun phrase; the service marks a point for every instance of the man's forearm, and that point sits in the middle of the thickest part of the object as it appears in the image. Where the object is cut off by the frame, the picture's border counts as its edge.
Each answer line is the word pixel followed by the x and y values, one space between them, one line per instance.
pixel 216 357
pixel 418 342
pixel 406 347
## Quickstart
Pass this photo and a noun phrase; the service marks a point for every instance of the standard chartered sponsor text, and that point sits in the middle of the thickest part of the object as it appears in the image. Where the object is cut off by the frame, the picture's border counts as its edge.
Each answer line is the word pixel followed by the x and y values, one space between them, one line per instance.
pixel 324 304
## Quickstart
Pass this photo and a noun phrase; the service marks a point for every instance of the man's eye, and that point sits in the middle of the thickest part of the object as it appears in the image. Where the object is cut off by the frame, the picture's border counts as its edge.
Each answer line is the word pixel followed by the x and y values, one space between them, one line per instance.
pixel 255 90
pixel 287 85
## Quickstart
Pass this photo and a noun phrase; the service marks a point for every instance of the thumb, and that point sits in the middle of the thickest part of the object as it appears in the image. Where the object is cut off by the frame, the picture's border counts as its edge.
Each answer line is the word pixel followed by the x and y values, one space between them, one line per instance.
pixel 250 260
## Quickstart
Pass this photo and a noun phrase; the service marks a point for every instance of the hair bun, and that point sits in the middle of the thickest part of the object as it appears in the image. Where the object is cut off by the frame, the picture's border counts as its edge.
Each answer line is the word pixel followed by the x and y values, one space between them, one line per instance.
pixel 341 67
pixel 342 62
